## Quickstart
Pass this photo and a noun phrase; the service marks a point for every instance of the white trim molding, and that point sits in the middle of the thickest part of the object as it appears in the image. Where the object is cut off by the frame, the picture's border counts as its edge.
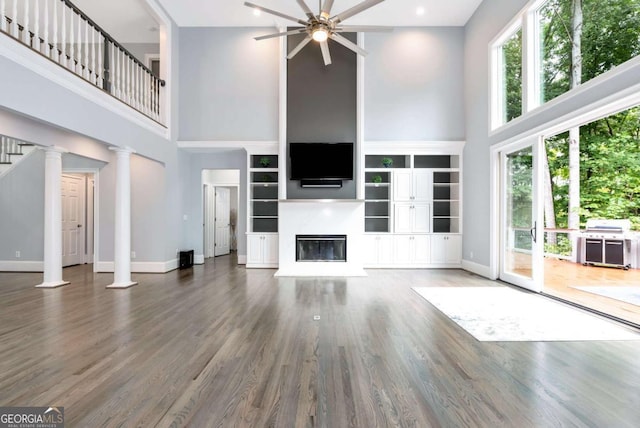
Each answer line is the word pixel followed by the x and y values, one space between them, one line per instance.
pixel 198 259
pixel 266 146
pixel 140 267
pixel 414 147
pixel 478 269
pixel 21 266
pixel 242 259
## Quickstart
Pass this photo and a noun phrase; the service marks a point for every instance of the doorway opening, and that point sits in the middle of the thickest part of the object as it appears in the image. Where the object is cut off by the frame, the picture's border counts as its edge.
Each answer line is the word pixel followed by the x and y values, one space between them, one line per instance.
pixel 220 192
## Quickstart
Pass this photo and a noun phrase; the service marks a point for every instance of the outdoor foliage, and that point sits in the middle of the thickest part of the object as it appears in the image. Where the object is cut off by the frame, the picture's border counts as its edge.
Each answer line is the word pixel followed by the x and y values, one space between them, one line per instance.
pixel 610 147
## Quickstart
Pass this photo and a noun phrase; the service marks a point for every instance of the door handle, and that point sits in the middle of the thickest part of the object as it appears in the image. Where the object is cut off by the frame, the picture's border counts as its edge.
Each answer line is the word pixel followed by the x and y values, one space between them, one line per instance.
pixel 533 231
pixel 79 225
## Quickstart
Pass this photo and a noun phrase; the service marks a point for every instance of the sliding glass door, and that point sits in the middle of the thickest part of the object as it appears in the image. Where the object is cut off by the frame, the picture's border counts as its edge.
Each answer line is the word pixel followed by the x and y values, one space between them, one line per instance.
pixel 522 218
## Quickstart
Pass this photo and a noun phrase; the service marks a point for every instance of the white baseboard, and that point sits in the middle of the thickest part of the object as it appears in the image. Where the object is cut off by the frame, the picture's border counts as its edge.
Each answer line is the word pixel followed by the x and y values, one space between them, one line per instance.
pixel 198 259
pixel 477 268
pixel 242 259
pixel 21 266
pixel 141 267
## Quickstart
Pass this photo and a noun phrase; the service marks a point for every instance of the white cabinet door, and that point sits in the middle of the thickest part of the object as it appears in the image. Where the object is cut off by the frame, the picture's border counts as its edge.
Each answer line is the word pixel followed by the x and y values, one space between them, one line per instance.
pixel 422 185
pixel 270 249
pixel 403 214
pixel 378 250
pixel 402 185
pixel 385 250
pixel 421 249
pixel 402 249
pixel 446 249
pixel 421 221
pixel 262 250
pixel 254 249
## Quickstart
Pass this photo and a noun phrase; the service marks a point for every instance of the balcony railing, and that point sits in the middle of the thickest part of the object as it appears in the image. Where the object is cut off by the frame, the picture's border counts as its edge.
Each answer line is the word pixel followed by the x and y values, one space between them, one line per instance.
pixel 61 32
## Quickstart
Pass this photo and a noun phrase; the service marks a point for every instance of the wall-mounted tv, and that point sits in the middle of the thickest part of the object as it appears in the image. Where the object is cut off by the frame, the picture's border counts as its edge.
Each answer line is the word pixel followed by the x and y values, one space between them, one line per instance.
pixel 321 161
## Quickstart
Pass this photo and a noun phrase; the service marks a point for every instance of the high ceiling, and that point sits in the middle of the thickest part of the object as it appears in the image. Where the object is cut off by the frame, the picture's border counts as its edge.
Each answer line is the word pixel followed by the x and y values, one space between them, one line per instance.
pixel 129 21
pixel 233 13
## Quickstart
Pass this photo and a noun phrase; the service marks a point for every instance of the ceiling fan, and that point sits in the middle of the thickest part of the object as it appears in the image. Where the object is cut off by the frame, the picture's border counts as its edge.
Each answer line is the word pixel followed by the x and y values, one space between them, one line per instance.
pixel 323 26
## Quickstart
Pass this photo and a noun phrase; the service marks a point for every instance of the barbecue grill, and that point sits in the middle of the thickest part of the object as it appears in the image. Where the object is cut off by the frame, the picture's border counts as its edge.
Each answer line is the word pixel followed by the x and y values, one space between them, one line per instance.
pixel 608 243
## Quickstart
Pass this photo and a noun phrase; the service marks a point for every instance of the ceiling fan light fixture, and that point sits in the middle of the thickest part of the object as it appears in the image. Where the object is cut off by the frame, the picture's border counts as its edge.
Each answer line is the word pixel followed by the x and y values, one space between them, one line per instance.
pixel 320 34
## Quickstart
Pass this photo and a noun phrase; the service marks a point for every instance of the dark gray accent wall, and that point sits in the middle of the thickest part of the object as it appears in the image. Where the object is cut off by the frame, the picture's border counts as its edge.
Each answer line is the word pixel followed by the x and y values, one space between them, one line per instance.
pixel 321 106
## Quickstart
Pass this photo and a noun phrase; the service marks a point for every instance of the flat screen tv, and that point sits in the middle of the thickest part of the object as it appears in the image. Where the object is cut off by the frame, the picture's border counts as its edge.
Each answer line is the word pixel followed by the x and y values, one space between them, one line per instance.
pixel 321 161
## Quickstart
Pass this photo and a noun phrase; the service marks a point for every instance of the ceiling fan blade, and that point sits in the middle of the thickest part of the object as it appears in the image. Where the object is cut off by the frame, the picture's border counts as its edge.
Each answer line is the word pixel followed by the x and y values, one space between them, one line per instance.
pixel 362 29
pixel 326 9
pixel 298 48
pixel 348 44
pixel 354 10
pixel 276 13
pixel 324 46
pixel 284 33
pixel 306 9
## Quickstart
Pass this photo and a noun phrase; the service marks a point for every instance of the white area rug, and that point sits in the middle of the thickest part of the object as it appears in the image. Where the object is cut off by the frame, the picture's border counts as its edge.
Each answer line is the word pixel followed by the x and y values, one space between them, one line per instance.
pixel 502 314
pixel 624 294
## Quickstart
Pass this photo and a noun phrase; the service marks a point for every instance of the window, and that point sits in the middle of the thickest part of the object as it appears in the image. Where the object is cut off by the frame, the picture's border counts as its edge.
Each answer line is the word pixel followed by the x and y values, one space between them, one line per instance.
pixel 566 43
pixel 508 84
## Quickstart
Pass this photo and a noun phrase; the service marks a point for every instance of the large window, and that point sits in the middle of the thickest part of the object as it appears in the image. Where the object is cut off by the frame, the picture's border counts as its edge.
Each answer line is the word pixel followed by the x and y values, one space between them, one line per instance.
pixel 569 42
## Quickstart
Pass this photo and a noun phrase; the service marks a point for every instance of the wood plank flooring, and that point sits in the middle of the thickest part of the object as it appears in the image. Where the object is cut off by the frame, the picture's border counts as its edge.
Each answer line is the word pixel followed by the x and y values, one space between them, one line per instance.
pixel 560 276
pixel 223 346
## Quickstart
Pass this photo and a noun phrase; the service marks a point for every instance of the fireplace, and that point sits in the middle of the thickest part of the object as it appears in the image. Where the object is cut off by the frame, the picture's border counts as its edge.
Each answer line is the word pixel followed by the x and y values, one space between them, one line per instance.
pixel 321 248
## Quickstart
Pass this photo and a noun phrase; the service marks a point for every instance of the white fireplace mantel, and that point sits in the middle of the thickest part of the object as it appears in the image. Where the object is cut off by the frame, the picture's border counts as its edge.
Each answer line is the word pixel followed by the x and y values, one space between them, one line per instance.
pixel 320 217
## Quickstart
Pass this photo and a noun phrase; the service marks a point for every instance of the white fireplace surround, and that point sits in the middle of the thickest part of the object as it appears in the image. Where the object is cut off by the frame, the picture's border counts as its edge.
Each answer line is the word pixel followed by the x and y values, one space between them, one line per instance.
pixel 320 217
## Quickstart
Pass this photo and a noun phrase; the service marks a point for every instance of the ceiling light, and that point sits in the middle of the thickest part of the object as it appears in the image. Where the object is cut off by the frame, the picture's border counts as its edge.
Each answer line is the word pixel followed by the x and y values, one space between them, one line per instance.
pixel 257 12
pixel 320 35
pixel 420 11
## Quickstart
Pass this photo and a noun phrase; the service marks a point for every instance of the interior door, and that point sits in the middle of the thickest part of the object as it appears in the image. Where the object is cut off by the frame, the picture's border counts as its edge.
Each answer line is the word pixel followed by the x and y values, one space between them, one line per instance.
pixel 73 233
pixel 522 216
pixel 223 221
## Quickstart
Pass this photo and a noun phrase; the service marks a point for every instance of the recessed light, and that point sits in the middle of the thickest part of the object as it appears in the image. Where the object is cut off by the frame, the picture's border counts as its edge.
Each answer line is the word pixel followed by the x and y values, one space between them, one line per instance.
pixel 257 12
pixel 420 11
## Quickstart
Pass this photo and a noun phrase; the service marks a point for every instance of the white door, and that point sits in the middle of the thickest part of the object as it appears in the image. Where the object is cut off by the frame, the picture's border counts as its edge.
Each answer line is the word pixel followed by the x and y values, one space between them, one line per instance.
pixel 223 221
pixel 421 249
pixel 522 237
pixel 371 249
pixel 73 231
pixel 403 249
pixel 209 220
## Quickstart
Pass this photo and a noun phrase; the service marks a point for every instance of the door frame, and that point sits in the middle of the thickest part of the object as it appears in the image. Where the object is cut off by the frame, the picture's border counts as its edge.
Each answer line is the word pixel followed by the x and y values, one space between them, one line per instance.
pixel 498 213
pixel 213 185
pixel 96 209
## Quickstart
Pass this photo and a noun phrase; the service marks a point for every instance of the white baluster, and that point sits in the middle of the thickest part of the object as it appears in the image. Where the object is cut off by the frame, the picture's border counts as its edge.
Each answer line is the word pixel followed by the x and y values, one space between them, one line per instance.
pixel 36 25
pixel 3 16
pixel 138 85
pixel 54 42
pixel 99 70
pixel 112 69
pixel 87 61
pixel 45 37
pixel 14 19
pixel 94 75
pixel 123 77
pixel 78 69
pixel 118 75
pixel 145 92
pixel 63 45
pixel 25 25
pixel 72 47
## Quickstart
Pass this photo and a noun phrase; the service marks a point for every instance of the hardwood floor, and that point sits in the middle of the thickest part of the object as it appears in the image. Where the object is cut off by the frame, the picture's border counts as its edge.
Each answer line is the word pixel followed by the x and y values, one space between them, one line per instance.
pixel 223 346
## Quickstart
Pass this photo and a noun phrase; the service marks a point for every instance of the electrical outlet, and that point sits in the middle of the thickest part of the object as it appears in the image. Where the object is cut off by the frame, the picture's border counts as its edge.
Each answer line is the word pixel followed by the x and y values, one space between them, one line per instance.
pixel 316 317
pixel 471 255
pixel 17 254
pixel 133 254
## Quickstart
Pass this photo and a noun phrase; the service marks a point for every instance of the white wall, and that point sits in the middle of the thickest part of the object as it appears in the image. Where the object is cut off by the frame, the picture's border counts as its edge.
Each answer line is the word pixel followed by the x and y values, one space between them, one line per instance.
pixel 413 84
pixel 229 84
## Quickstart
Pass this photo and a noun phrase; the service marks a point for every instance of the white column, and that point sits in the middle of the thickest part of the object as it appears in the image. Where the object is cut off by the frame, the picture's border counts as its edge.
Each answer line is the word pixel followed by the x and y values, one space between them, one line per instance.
pixel 53 219
pixel 122 241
